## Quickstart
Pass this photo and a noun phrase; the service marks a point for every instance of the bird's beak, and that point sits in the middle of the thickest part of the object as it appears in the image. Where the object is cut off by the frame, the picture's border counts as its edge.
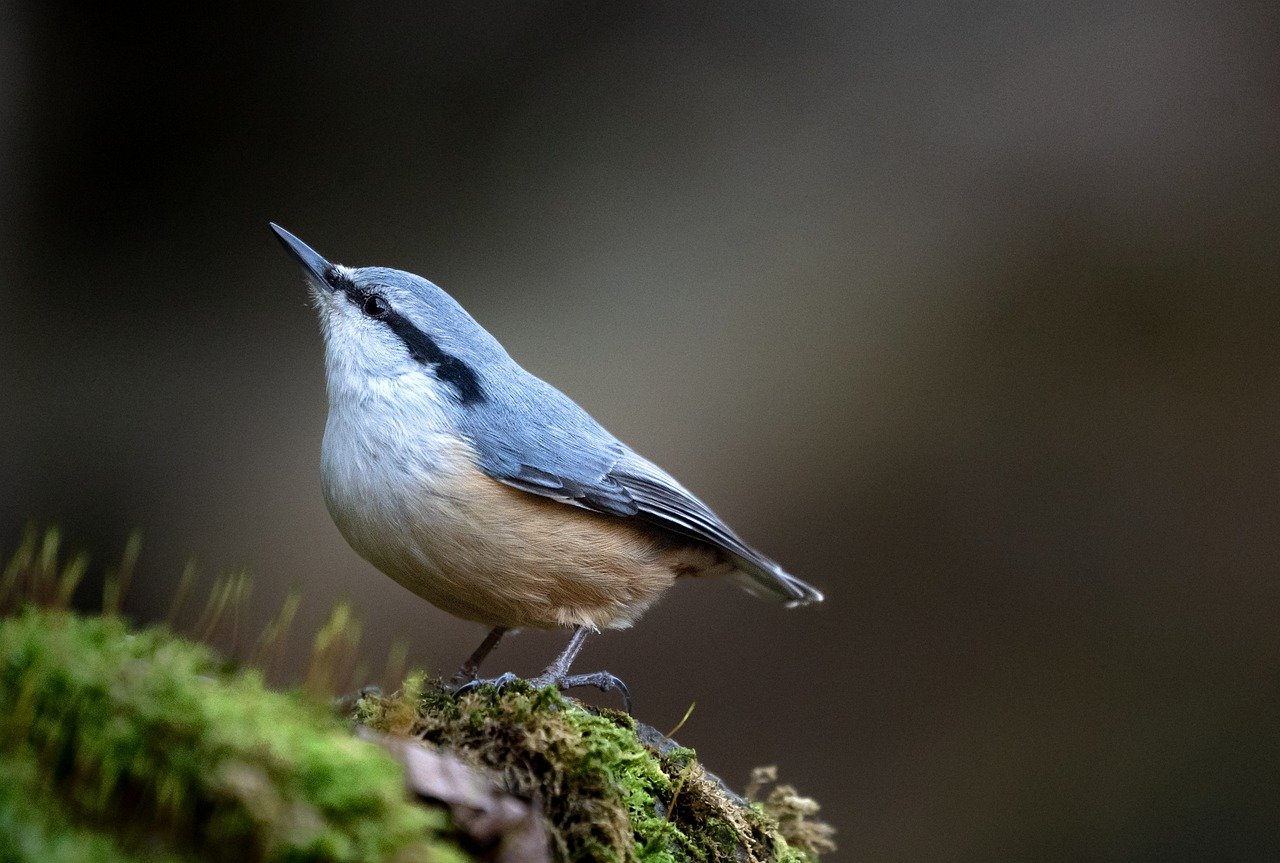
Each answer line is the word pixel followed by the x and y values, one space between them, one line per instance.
pixel 316 266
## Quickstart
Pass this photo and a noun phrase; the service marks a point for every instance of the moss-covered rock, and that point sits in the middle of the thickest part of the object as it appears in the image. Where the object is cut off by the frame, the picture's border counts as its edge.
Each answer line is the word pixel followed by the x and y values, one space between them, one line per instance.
pixel 612 790
pixel 146 742
pixel 119 744
pixel 35 826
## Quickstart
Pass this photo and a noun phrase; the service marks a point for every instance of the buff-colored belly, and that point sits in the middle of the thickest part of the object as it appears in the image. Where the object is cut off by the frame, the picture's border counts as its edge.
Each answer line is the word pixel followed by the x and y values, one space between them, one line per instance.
pixel 503 557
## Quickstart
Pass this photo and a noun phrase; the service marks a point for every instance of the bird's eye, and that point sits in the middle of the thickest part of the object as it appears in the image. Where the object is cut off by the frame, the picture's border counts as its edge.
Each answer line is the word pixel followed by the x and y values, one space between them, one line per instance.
pixel 375 306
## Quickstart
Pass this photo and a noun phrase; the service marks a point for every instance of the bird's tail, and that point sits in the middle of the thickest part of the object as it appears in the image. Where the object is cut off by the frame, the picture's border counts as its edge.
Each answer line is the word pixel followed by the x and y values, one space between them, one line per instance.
pixel 767 580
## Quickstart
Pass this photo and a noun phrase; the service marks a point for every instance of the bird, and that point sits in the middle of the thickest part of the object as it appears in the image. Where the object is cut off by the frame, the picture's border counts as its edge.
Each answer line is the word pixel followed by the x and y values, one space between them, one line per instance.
pixel 488 492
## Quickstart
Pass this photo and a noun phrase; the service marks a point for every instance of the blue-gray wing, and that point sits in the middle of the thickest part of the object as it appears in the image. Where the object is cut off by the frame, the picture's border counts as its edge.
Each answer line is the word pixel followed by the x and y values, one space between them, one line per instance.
pixel 567 456
pixel 664 502
pixel 534 437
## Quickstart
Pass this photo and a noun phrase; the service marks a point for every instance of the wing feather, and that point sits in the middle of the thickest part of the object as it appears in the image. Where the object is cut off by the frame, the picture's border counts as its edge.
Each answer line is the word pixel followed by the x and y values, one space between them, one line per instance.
pixel 567 456
pixel 635 487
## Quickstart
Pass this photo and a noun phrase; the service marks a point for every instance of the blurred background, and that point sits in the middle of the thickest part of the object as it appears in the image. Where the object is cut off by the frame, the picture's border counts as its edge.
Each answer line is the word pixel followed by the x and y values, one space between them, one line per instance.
pixel 967 313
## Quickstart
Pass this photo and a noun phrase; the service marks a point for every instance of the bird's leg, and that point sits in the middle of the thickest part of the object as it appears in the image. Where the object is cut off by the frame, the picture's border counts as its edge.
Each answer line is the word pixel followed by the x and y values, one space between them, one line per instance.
pixel 557 673
pixel 471 668
pixel 559 668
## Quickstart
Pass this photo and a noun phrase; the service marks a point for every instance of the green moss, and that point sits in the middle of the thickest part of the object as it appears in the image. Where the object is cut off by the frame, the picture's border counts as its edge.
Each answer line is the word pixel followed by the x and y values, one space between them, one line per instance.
pixel 119 745
pixel 143 736
pixel 607 795
pixel 34 826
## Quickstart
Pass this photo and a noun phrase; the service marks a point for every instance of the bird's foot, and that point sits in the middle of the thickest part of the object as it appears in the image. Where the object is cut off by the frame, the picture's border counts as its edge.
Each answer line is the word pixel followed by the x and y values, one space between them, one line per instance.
pixel 461 678
pixel 602 680
pixel 462 687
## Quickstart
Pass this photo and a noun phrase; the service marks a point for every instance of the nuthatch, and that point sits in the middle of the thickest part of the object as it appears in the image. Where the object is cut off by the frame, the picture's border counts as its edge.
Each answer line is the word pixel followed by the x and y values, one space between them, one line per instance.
pixel 488 492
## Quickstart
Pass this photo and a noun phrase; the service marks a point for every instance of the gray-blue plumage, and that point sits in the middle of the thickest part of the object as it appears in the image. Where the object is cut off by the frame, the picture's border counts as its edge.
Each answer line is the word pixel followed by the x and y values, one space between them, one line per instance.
pixel 531 436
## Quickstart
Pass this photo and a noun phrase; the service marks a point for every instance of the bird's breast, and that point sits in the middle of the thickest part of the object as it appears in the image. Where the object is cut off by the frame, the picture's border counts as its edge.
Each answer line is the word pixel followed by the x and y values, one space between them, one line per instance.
pixel 384 472
pixel 427 516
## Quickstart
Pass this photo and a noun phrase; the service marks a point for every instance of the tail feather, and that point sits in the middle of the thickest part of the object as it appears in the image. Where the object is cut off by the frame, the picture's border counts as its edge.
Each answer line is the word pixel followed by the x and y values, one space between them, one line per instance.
pixel 775 584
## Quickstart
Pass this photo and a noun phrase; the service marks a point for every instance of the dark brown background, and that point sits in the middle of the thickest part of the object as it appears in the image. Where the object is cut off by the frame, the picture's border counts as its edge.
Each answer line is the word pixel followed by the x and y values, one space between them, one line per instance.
pixel 968 313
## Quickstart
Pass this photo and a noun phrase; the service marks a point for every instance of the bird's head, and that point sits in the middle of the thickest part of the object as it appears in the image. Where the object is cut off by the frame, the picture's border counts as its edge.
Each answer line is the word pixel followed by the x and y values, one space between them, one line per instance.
pixel 382 325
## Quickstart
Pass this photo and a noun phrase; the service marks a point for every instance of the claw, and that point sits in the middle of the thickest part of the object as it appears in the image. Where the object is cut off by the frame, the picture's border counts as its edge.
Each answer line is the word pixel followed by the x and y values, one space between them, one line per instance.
pixel 602 680
pixel 475 683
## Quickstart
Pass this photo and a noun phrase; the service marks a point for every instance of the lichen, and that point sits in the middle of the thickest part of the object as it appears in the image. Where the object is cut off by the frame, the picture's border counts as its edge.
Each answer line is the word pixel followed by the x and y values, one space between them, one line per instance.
pixel 607 794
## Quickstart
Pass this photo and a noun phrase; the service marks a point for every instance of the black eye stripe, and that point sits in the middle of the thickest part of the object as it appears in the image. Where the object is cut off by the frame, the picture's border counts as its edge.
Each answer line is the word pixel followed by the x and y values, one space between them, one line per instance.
pixel 448 368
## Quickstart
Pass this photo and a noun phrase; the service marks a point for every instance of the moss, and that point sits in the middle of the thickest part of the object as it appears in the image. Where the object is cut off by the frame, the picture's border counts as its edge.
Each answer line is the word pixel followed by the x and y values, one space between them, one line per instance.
pixel 793 813
pixel 118 745
pixel 608 794
pixel 34 826
pixel 143 736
